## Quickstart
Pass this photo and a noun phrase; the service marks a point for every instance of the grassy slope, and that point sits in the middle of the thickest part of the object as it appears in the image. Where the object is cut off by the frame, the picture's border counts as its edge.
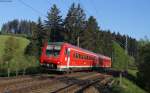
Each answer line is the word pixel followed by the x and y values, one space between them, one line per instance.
pixel 19 61
pixel 127 87
pixel 23 43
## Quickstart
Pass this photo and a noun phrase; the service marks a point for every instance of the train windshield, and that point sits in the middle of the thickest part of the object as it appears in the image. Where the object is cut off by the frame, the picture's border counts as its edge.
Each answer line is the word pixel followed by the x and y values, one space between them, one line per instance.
pixel 53 50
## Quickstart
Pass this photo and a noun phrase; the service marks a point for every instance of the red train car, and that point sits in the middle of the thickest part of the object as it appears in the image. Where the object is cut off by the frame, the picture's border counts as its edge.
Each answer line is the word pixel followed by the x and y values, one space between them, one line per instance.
pixel 61 56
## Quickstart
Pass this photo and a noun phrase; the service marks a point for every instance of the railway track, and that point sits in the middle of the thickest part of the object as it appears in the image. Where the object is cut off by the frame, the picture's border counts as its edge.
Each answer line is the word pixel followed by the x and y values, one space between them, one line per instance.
pixel 62 81
pixel 78 86
pixel 7 83
pixel 37 83
pixel 98 86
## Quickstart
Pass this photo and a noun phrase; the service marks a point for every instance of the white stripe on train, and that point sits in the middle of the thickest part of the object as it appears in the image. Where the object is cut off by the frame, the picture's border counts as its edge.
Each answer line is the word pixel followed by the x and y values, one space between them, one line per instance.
pixel 79 66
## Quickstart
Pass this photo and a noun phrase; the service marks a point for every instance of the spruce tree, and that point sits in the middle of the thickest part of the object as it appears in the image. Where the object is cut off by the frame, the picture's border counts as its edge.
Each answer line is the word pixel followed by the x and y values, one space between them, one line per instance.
pixel 74 23
pixel 54 24
pixel 90 35
pixel 41 35
pixel 32 47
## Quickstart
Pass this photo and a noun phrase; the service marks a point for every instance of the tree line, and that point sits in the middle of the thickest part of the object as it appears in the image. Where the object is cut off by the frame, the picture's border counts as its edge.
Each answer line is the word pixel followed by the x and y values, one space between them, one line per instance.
pixel 18 27
pixel 73 28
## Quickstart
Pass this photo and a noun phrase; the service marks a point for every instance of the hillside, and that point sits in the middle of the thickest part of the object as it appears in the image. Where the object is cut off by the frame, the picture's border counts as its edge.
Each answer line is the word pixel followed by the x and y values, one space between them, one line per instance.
pixel 19 61
pixel 127 87
pixel 22 41
pixel 122 61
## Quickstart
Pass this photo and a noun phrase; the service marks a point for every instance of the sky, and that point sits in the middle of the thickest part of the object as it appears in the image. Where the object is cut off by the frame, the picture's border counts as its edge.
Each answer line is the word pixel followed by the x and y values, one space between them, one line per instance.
pixel 129 17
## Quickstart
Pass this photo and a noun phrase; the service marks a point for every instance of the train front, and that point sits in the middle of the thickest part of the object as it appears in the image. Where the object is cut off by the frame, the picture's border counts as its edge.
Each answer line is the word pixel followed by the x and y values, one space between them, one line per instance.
pixel 50 56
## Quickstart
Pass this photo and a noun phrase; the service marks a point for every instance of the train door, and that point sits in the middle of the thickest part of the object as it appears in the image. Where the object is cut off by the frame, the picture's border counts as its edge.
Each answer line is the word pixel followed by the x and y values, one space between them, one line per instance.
pixel 96 62
pixel 68 57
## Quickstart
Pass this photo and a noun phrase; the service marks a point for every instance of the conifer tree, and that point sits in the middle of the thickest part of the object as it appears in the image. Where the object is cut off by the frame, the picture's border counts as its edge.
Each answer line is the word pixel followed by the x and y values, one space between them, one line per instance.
pixel 74 23
pixel 90 35
pixel 42 36
pixel 54 24
pixel 32 47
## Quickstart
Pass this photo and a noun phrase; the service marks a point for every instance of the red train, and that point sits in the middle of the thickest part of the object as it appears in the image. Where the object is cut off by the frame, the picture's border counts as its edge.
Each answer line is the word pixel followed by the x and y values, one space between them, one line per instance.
pixel 61 56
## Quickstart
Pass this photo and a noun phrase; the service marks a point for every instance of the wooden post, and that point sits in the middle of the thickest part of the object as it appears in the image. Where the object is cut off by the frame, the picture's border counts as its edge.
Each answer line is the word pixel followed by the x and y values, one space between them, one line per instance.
pixel 120 75
pixel 24 71
pixel 8 69
pixel 16 72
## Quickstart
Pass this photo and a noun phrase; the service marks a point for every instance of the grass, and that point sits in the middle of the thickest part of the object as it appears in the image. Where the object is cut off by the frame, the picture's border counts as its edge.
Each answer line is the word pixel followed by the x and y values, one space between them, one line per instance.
pixel 19 61
pixel 127 87
pixel 133 72
pixel 129 84
pixel 22 41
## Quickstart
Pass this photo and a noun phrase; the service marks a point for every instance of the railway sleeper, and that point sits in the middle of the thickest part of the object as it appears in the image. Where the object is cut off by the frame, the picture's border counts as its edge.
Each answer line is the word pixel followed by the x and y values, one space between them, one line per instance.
pixel 99 84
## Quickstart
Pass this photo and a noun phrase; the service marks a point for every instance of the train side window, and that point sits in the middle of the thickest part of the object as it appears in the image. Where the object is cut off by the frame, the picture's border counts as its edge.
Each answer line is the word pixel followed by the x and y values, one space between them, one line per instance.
pixel 86 57
pixel 82 56
pixel 77 55
pixel 66 51
pixel 74 56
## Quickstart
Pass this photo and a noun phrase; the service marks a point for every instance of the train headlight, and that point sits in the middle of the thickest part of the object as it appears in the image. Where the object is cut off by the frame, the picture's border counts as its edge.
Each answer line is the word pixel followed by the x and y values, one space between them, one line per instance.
pixel 41 64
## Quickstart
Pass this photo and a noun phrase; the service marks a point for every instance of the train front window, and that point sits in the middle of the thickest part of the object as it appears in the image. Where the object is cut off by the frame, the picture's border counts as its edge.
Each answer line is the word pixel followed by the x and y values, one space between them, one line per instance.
pixel 53 50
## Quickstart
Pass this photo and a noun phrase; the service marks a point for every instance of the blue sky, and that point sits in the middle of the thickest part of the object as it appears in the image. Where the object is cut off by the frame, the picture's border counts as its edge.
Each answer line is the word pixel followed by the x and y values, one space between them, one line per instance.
pixel 130 17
